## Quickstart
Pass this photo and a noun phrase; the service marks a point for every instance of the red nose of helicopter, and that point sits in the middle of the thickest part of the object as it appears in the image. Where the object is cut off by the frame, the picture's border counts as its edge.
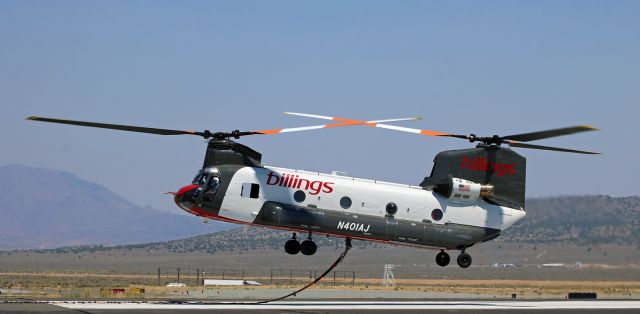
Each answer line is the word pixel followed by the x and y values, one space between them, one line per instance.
pixel 184 198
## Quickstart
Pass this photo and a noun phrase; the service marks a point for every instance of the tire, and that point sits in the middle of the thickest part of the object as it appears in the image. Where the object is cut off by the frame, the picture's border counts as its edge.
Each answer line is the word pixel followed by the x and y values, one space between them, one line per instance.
pixel 292 247
pixel 443 259
pixel 464 260
pixel 308 247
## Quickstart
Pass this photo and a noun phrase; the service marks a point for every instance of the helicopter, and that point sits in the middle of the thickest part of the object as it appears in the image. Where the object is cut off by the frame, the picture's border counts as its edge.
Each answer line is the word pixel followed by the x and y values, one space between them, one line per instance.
pixel 470 196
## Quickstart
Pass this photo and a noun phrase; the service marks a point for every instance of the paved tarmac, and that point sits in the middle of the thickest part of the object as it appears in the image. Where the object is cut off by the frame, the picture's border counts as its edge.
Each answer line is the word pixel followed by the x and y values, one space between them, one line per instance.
pixel 475 306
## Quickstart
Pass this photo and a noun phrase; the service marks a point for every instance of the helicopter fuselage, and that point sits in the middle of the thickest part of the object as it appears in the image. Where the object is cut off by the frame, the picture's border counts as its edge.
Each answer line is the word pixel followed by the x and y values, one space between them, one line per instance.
pixel 343 206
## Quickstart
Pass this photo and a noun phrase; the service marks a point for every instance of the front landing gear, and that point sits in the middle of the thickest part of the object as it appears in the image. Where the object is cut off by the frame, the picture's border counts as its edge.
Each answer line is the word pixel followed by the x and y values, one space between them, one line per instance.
pixel 464 260
pixel 292 246
pixel 443 259
pixel 307 247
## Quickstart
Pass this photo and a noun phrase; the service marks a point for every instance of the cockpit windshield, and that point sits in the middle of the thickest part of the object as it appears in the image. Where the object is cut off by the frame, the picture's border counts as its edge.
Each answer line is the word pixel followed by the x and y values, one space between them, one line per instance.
pixel 200 178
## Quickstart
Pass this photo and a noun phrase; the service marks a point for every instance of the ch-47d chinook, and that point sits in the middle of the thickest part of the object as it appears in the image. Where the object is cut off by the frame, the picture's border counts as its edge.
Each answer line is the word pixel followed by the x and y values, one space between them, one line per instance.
pixel 470 197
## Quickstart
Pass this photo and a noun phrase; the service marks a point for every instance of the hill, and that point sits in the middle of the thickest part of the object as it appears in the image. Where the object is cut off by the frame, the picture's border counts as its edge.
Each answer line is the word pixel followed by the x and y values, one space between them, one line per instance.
pixel 593 219
pixel 44 208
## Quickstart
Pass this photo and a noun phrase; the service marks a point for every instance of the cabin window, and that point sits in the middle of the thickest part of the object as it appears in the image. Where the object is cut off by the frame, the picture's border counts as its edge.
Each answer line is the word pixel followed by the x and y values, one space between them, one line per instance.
pixel 392 208
pixel 299 196
pixel 437 214
pixel 251 190
pixel 345 202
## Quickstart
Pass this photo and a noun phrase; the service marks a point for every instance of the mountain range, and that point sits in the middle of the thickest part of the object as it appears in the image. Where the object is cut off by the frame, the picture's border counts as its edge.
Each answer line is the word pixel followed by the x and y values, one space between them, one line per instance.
pixel 44 208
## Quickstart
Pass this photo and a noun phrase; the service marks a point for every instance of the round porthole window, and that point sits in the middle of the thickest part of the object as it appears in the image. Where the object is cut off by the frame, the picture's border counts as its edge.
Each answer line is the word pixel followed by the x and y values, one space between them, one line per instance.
pixel 436 214
pixel 392 208
pixel 299 196
pixel 345 202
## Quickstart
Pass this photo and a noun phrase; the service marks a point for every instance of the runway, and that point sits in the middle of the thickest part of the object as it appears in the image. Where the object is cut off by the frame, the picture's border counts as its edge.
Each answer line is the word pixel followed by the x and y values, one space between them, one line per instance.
pixel 328 306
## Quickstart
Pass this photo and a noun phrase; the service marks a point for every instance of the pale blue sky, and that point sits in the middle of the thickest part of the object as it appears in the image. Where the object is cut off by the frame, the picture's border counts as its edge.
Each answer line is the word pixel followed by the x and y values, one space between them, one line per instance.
pixel 466 66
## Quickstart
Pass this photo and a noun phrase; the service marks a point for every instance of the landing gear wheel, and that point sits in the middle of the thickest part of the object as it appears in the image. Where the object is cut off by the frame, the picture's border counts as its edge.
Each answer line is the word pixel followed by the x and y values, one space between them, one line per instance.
pixel 464 260
pixel 308 247
pixel 443 259
pixel 292 246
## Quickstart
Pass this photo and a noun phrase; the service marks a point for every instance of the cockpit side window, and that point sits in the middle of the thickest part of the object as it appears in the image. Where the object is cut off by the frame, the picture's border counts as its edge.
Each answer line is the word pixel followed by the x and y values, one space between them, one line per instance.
pixel 213 184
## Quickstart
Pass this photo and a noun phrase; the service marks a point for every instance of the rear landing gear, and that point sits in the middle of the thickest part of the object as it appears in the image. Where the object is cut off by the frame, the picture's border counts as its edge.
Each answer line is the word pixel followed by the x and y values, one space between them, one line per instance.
pixel 464 260
pixel 443 259
pixel 292 246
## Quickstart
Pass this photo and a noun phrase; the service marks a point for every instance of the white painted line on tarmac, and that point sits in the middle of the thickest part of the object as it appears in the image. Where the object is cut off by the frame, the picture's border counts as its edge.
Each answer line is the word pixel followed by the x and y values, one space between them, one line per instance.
pixel 355 305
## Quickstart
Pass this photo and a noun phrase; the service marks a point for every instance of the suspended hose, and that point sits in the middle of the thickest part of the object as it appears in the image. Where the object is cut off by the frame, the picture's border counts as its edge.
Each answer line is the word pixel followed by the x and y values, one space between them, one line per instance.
pixel 338 261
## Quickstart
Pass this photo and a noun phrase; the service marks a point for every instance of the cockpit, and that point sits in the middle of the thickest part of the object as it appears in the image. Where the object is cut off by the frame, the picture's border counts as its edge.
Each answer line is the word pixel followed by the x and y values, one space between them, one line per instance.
pixel 208 180
pixel 202 191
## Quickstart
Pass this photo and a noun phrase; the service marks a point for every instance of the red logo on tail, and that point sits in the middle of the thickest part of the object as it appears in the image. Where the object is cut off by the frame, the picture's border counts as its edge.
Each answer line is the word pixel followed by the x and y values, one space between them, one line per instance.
pixel 482 164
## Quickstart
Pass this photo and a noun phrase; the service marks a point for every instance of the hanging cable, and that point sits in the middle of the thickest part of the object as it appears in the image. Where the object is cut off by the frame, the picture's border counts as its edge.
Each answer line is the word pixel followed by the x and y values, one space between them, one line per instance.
pixel 338 261
pixel 348 247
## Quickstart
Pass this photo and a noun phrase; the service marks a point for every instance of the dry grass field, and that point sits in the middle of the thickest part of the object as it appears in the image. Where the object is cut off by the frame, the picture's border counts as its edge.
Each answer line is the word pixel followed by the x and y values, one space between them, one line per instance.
pixel 452 288
pixel 499 269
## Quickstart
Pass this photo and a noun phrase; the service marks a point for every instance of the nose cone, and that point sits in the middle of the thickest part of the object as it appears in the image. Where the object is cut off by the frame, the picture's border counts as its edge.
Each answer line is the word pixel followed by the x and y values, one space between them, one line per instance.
pixel 184 197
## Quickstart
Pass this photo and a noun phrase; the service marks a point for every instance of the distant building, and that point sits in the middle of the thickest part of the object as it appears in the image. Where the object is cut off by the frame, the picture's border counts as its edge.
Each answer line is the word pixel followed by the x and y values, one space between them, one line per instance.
pixel 553 265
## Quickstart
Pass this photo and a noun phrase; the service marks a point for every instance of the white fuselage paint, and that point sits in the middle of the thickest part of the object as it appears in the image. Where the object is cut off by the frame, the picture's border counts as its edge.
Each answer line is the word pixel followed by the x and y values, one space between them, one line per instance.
pixel 367 197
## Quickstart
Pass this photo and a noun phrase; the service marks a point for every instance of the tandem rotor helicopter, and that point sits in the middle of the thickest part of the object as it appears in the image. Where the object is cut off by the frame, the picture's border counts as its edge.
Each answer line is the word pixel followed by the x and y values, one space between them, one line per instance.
pixel 470 196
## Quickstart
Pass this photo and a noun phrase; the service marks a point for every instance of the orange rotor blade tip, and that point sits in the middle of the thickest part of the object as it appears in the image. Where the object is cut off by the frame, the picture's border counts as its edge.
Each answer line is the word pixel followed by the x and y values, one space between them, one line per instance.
pixel 266 132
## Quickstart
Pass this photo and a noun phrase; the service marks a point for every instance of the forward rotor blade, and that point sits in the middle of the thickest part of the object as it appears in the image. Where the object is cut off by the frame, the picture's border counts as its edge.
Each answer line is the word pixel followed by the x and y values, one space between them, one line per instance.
pixel 557 149
pixel 117 126
pixel 379 125
pixel 335 125
pixel 533 136
pixel 205 134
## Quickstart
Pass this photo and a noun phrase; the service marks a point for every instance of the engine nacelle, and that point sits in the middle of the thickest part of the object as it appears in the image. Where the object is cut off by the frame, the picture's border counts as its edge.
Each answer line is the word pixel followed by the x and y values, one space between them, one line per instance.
pixel 461 189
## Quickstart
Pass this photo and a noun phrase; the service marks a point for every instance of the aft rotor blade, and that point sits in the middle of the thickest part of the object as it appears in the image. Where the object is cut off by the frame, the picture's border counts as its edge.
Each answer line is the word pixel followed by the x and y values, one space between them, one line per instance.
pixel 120 127
pixel 335 125
pixel 378 125
pixel 533 136
pixel 557 149
pixel 350 120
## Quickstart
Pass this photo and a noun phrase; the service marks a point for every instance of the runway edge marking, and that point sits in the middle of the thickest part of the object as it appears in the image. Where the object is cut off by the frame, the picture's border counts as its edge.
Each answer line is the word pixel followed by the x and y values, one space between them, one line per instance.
pixel 354 305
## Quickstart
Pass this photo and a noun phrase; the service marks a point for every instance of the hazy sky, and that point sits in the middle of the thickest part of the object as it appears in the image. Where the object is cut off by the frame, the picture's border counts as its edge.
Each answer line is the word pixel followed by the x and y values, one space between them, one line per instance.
pixel 487 67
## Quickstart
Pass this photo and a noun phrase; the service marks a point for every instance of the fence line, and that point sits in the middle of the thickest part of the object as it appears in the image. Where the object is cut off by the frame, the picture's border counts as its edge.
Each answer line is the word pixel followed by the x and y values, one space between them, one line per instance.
pixel 196 276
